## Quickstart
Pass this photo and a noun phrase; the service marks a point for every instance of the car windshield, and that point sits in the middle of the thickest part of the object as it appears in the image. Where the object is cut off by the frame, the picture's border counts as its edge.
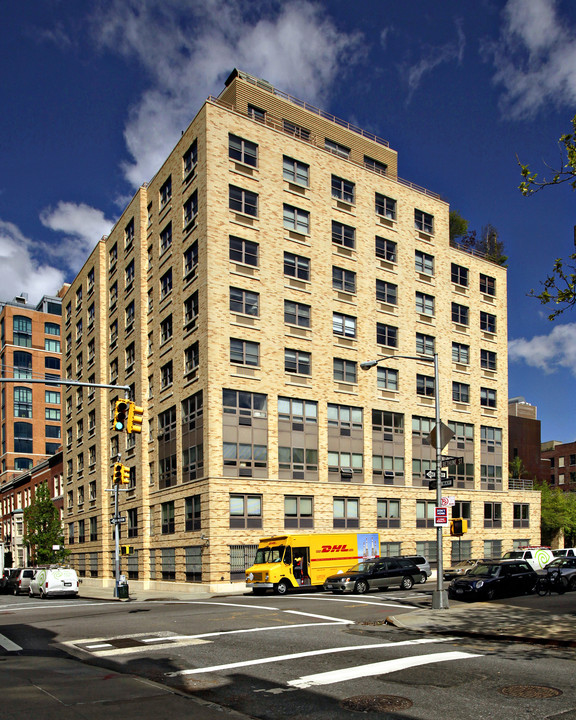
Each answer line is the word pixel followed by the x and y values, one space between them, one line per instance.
pixel 484 570
pixel 512 555
pixel 362 567
pixel 269 555
pixel 463 564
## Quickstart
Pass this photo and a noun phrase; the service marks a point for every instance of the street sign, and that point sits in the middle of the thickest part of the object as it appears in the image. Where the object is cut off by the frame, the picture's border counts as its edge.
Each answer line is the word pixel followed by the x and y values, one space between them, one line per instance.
pixel 433 474
pixel 440 436
pixel 452 460
pixel 448 501
pixel 117 521
pixel 444 482
pixel 440 517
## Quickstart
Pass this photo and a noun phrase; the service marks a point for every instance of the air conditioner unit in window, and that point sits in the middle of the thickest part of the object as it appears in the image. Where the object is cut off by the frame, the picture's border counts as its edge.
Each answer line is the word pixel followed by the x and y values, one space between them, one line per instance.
pixel 389 474
pixel 346 473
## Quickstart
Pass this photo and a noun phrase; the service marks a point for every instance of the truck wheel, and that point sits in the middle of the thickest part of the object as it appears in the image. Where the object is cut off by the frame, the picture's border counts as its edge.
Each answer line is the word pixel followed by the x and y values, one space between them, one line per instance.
pixel 407 583
pixel 361 587
pixel 281 588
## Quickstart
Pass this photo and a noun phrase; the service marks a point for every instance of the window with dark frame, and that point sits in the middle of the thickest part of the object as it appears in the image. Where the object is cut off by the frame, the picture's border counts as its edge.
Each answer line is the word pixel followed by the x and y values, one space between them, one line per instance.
pixel 460 314
pixel 345 370
pixel 296 313
pixel 346 512
pixel 244 301
pixel 461 353
pixel 343 280
pixel 385 206
pixel 243 251
pixel 344 325
pixel 386 292
pixel 487 285
pixel 487 359
pixel 387 513
pixel 295 171
pixel 296 266
pixel 386 335
pixel 244 352
pixel 386 249
pixel 424 222
pixel 245 511
pixel 487 322
pixel 424 263
pixel 344 235
pixel 243 201
pixel 242 151
pixel 425 385
pixel 343 189
pixel 297 361
pixel 296 219
pixel 460 392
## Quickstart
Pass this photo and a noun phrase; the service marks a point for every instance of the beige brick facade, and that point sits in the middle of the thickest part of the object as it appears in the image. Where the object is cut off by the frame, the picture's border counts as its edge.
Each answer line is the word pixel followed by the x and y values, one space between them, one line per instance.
pixel 134 345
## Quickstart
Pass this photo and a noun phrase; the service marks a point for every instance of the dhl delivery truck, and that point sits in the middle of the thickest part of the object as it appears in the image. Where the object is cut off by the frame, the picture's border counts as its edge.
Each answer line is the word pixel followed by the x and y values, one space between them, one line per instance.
pixel 291 561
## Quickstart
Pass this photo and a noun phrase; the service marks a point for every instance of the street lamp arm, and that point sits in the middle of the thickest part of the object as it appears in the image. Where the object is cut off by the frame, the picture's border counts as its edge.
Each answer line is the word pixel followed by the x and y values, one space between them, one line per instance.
pixel 372 363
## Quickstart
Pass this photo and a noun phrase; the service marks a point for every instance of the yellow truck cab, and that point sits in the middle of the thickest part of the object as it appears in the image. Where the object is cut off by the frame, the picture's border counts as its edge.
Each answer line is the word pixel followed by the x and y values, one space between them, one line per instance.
pixel 292 561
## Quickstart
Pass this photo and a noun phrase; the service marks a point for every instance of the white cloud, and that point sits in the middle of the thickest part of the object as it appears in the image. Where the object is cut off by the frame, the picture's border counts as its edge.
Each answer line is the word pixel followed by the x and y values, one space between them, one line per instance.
pixel 81 226
pixel 188 47
pixel 535 58
pixel 20 271
pixel 547 352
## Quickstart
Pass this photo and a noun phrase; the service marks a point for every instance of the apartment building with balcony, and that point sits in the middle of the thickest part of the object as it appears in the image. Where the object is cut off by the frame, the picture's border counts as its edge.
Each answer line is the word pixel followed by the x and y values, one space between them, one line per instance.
pixel 274 251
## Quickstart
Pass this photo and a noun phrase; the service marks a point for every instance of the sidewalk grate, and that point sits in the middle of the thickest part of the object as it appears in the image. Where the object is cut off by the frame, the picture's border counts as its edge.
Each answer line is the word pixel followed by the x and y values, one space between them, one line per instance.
pixel 537 692
pixel 376 703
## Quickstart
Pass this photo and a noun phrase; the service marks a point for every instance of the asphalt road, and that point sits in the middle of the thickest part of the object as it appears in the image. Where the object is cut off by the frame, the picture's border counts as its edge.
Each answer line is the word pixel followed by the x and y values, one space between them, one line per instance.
pixel 299 656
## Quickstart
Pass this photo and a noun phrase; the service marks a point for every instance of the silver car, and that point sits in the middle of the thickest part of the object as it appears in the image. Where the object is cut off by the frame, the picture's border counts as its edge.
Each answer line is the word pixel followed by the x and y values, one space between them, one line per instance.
pixel 423 565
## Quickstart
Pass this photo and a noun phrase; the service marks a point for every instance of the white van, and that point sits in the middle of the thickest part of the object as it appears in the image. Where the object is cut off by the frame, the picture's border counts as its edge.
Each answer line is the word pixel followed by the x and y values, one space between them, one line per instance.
pixel 564 552
pixel 54 582
pixel 536 556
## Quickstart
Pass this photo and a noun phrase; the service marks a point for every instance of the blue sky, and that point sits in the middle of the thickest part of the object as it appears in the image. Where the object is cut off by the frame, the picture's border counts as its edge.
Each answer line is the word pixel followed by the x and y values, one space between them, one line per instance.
pixel 459 89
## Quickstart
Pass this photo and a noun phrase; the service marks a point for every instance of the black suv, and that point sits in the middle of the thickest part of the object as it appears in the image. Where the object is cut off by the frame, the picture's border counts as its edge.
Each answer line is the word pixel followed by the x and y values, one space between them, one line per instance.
pixel 375 574
pixel 494 577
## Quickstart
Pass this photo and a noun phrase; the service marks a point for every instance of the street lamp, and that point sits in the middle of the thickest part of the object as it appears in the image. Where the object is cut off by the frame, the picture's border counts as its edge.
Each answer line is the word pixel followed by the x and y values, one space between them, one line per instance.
pixel 439 596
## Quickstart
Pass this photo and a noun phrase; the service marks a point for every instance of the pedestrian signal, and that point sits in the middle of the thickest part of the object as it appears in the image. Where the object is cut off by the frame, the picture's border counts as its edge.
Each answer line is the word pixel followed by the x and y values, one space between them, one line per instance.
pixel 121 410
pixel 135 418
pixel 458 526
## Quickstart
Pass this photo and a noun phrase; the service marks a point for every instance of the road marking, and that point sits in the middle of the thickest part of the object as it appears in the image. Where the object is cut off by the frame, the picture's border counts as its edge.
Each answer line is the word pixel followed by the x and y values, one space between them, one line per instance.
pixel 311 653
pixel 8 644
pixel 320 617
pixel 380 668
pixel 245 630
pixel 351 599
pixel 49 605
pixel 206 602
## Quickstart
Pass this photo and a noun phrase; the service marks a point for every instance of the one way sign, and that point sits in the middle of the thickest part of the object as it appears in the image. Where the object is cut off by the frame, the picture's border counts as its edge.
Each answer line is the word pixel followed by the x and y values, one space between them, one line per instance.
pixel 433 474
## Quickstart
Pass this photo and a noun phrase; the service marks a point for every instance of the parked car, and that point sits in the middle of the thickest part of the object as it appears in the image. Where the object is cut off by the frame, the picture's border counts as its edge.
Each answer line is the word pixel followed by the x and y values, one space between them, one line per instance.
pixel 4 579
pixel 375 574
pixel 536 556
pixel 567 568
pixel 19 580
pixel 564 552
pixel 54 582
pixel 423 565
pixel 492 578
pixel 460 568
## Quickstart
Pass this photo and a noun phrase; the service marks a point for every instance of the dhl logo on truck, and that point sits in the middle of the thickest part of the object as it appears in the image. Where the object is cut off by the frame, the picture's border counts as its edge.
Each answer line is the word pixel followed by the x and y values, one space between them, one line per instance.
pixel 336 548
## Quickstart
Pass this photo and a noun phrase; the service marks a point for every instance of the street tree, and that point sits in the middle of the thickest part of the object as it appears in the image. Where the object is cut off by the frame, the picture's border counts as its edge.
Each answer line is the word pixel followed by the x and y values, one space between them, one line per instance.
pixel 560 284
pixel 558 510
pixel 43 528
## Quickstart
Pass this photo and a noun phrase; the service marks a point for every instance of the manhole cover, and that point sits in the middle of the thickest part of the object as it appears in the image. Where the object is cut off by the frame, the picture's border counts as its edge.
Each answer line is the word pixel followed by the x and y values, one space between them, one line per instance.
pixel 376 703
pixel 530 691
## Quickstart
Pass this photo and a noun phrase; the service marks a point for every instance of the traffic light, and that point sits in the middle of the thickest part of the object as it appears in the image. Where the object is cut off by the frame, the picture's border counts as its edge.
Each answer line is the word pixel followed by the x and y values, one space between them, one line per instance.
pixel 121 474
pixel 126 549
pixel 135 417
pixel 121 410
pixel 458 526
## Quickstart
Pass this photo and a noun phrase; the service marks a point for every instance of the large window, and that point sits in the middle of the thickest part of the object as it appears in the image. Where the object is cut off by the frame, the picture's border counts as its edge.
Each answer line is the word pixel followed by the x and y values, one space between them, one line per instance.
pixel 22 364
pixel 243 201
pixel 492 515
pixel 242 150
pixel 168 524
pixel 245 511
pixel 192 513
pixel 22 437
pixel 22 327
pixel 296 219
pixel 346 512
pixel 387 513
pixel 298 512
pixel 23 402
pixel 521 517
pixel 425 513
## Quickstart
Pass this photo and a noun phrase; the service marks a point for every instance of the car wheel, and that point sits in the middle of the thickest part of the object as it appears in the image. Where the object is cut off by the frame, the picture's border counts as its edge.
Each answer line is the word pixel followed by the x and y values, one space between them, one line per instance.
pixel 407 583
pixel 281 588
pixel 15 591
pixel 572 583
pixel 423 578
pixel 361 587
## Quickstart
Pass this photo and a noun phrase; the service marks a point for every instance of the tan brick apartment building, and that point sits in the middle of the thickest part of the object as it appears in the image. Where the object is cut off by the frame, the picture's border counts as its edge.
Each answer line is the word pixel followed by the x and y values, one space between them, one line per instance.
pixel 274 251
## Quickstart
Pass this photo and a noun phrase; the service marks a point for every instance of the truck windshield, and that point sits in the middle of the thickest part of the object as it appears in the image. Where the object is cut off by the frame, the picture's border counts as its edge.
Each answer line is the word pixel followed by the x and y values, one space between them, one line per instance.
pixel 269 555
pixel 512 555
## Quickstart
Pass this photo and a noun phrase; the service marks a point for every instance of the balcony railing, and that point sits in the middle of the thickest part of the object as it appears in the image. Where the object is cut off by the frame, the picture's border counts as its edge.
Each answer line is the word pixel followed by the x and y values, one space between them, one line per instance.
pixel 520 484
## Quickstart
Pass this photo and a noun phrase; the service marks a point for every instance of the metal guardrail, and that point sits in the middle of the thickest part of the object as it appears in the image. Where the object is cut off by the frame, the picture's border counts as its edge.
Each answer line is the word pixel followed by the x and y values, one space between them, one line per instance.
pixel 520 484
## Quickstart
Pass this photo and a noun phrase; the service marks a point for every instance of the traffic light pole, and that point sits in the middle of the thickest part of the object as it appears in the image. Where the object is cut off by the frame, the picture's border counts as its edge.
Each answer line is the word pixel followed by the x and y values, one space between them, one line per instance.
pixel 116 540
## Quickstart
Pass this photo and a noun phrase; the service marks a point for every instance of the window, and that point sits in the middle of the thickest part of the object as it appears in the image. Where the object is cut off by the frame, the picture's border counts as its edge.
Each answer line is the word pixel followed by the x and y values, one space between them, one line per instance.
pixel 114 333
pixel 346 512
pixel 78 331
pixel 487 322
pixel 243 251
pixel 129 234
pixel 191 359
pixel 424 263
pixel 460 392
pixel 521 516
pixel 112 258
pixel 487 397
pixel 53 431
pixel 296 219
pixel 166 238
pixel 387 513
pixel 343 189
pixel 375 165
pixel 22 437
pixel 425 385
pixel 51 329
pixel 344 325
pixel 23 402
pixel 132 522
pixel 130 315
pixel 295 172
pixel 344 235
pixel 296 313
pixel 243 201
pixel 459 275
pixel 244 301
pixel 190 210
pixel 344 280
pixel 245 511
pixel 166 284
pixel 166 375
pixel 460 353
pixel 242 150
pixel 22 364
pixel 166 329
pixel 295 130
pixel 256 113
pixel 296 266
pixel 385 207
pixel 22 329
pixel 492 515
pixel 168 525
pixel 386 292
pixel 425 513
pixel 298 512
pixel 423 222
pixel 345 370
pixel 51 397
pixel 166 192
pixel 387 378
pixel 113 294
pixel 460 314
pixel 424 303
pixel 487 285
pixel 190 260
pixel 487 360
pixel 191 311
pixel 386 249
pixel 190 159
pixel 386 335
pixel 243 352
pixel 337 149
pixel 192 513
pixel 425 344
pixel 297 361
